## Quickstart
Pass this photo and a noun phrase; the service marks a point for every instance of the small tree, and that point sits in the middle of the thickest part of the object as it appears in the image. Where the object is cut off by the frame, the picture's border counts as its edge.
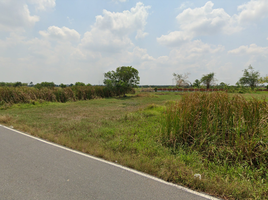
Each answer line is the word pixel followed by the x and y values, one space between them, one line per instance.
pixel 17 84
pixel 45 84
pixel 122 80
pixel 63 85
pixel 181 80
pixel 31 84
pixel 197 83
pixel 208 79
pixel 250 77
pixel 80 84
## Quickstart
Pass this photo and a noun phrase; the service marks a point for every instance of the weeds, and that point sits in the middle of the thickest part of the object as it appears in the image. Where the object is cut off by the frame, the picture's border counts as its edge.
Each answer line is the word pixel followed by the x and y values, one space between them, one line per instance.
pixel 225 130
pixel 14 95
pixel 128 131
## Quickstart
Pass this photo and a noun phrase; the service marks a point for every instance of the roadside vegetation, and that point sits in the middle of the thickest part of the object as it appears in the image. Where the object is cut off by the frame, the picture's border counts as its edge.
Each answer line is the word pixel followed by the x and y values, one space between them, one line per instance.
pixel 142 131
pixel 213 142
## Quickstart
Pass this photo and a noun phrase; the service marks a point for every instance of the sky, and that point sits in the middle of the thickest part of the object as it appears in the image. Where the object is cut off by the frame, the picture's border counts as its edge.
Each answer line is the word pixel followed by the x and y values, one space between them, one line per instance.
pixel 68 41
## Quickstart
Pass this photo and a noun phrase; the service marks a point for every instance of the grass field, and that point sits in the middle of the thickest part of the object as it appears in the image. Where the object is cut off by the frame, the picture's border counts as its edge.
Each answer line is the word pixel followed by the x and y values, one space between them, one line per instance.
pixel 128 131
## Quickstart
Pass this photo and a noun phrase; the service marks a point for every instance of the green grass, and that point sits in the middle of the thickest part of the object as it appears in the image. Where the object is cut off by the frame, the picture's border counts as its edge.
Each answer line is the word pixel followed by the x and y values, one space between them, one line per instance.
pixel 128 131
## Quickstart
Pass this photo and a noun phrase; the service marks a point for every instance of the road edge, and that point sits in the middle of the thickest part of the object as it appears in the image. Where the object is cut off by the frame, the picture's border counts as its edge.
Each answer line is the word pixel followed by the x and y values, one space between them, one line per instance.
pixel 115 165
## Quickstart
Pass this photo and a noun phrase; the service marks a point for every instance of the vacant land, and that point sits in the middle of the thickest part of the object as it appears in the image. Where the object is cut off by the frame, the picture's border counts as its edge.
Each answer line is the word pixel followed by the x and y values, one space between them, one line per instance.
pixel 128 131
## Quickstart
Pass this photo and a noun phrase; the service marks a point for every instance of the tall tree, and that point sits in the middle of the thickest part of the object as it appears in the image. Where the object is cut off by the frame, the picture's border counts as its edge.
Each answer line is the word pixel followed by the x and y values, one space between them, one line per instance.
pixel 181 79
pixel 208 79
pixel 250 77
pixel 122 80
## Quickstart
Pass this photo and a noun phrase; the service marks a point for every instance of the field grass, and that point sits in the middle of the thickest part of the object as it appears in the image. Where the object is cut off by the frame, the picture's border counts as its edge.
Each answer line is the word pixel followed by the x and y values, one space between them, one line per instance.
pixel 128 131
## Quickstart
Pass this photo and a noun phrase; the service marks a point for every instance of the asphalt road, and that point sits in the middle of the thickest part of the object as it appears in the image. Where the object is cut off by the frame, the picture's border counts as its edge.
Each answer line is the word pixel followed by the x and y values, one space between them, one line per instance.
pixel 31 168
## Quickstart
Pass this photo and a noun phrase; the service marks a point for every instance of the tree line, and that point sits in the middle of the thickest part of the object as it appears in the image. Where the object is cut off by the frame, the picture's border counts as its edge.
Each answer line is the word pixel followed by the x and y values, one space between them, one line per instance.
pixel 125 78
pixel 250 78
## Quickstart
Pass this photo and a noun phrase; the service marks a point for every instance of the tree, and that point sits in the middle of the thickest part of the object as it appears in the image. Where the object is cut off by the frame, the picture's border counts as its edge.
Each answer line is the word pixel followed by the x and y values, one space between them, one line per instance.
pixel 17 84
pixel 263 79
pixel 208 79
pixel 31 84
pixel 196 83
pixel 181 80
pixel 250 77
pixel 63 85
pixel 80 84
pixel 122 80
pixel 45 84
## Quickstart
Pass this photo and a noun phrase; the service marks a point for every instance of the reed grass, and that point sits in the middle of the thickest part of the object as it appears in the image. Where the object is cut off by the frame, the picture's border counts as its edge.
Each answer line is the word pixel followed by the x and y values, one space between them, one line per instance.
pixel 225 130
pixel 13 95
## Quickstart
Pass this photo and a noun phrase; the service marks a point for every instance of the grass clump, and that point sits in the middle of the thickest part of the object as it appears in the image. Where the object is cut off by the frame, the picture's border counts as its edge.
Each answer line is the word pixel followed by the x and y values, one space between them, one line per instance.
pixel 5 119
pixel 225 130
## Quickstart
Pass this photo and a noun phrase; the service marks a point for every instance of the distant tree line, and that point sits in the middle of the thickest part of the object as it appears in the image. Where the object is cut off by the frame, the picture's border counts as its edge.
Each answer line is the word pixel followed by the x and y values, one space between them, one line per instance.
pixel 250 79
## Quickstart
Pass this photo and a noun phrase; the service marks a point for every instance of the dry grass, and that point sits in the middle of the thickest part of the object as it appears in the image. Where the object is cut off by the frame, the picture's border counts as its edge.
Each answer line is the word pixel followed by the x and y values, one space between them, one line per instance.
pixel 147 89
pixel 5 119
pixel 127 131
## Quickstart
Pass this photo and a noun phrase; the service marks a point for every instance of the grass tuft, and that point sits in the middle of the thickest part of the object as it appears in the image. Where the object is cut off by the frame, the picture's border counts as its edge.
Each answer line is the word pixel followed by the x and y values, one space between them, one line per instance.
pixel 5 119
pixel 224 130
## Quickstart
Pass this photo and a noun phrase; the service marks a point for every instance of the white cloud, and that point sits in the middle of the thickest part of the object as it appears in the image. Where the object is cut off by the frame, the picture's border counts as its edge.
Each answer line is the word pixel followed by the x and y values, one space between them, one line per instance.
pixel 111 31
pixel 123 23
pixel 206 21
pixel 141 34
pixel 201 21
pixel 191 51
pixel 252 49
pixel 43 4
pixel 63 33
pixel 184 5
pixel 117 1
pixel 174 39
pixel 15 15
pixel 105 41
pixel 252 11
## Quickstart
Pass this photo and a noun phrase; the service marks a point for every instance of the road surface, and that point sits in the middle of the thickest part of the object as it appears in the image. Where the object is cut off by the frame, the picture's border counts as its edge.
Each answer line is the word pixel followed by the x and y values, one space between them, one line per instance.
pixel 31 168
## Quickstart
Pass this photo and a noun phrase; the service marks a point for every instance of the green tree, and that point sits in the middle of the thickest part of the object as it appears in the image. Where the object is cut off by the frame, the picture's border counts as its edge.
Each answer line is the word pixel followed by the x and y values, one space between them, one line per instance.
pixel 197 83
pixel 181 79
pixel 63 85
pixel 79 84
pixel 45 84
pixel 122 80
pixel 208 80
pixel 17 84
pixel 250 77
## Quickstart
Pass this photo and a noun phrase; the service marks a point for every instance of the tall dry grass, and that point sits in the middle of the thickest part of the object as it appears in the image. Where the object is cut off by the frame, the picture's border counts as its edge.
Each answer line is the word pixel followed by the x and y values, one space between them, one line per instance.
pixel 13 95
pixel 225 130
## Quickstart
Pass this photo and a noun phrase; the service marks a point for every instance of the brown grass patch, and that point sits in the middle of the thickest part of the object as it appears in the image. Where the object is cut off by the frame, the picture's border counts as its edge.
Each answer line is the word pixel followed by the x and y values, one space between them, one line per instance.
pixel 5 119
pixel 147 90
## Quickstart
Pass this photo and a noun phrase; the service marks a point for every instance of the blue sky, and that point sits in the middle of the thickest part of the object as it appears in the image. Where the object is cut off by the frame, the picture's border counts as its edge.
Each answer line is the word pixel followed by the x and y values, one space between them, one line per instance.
pixel 67 41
